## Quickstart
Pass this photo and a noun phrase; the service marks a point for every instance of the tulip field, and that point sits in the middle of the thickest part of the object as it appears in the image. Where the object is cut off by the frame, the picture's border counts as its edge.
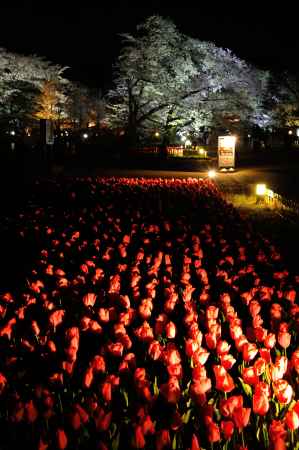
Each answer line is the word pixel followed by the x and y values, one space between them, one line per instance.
pixel 151 316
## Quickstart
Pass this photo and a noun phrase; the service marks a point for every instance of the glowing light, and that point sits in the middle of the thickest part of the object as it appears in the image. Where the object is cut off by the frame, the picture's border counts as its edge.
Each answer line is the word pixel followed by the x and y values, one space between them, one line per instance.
pixel 85 136
pixel 229 141
pixel 201 151
pixel 211 173
pixel 12 133
pixel 297 132
pixel 261 189
pixel 290 132
pixel 157 134
pixel 188 142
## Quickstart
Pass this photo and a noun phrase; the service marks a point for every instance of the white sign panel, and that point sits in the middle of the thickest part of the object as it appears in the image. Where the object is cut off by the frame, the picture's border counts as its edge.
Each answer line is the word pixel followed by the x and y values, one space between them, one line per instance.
pixel 226 151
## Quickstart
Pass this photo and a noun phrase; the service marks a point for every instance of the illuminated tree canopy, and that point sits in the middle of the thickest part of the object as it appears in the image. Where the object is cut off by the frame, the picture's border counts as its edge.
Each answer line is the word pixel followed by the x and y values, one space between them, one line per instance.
pixel 29 86
pixel 168 81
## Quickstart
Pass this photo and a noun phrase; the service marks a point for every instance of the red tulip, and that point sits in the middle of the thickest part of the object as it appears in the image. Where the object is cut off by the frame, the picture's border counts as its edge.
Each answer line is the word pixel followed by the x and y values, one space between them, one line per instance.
pixel 212 312
pixel 283 391
pixel 75 420
pixel 116 349
pixel 195 443
pixel 222 347
pixel 148 427
pixel 265 354
pixel 277 430
pixel 175 370
pixel 171 390
pixel 270 341
pixel 83 414
pixel 227 361
pixel 200 387
pixel 171 355
pixel 224 381
pixel 254 308
pixel 260 403
pixel 213 433
pixel 98 364
pixel 139 441
pixel 249 375
pixel 102 419
pixel 200 357
pixel 292 420
pixel 56 317
pixel 163 440
pixel 227 428
pixel 144 332
pixel 42 445
pixel 62 440
pixel 284 339
pixel 259 366
pixel 295 360
pixel 170 330
pixel 103 315
pixel 228 406
pixel 190 347
pixel 155 350
pixel 88 377
pixel 260 334
pixel 278 370
pixel 211 340
pixel 249 351
pixel 240 342
pixel 145 309
pixel 3 382
pixel 241 417
pixel 31 412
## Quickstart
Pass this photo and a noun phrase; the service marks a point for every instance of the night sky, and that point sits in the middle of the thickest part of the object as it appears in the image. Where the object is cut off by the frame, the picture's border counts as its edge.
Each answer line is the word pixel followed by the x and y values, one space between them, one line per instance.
pixel 87 39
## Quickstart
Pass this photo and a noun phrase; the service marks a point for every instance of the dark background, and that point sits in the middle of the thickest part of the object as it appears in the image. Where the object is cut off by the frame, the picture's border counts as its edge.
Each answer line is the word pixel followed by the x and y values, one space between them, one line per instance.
pixel 87 39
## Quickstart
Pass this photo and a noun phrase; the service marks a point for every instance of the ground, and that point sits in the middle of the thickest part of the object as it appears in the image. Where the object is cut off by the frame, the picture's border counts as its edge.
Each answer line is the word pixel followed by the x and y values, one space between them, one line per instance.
pixel 73 245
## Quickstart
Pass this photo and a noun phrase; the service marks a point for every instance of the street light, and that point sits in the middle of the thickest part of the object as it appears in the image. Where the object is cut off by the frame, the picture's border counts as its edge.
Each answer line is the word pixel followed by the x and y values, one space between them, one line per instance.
pixel 157 134
pixel 211 173
pixel 261 190
pixel 85 136
pixel 13 133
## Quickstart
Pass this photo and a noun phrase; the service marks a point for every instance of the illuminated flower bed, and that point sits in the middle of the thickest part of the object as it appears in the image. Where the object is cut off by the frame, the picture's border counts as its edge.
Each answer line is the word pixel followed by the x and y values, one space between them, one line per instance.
pixel 153 317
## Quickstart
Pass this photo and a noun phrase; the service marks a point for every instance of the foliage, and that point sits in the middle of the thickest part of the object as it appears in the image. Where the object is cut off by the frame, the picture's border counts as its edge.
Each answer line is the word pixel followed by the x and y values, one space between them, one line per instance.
pixel 169 82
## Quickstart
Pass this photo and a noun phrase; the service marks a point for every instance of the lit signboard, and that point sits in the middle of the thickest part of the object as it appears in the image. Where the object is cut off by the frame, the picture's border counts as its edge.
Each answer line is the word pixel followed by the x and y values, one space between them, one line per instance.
pixel 226 151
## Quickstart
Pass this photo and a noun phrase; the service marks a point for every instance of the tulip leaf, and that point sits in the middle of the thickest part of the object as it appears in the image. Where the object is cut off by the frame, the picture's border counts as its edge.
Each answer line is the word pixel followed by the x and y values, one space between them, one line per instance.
pixel 186 416
pixel 174 443
pixel 258 433
pixel 126 398
pixel 156 389
pixel 186 391
pixel 115 442
pixel 246 387
pixel 265 435
pixel 217 414
pixel 291 405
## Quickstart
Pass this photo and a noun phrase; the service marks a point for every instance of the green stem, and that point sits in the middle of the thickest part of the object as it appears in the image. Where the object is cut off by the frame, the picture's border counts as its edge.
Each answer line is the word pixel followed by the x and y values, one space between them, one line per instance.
pixel 292 438
pixel 243 441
